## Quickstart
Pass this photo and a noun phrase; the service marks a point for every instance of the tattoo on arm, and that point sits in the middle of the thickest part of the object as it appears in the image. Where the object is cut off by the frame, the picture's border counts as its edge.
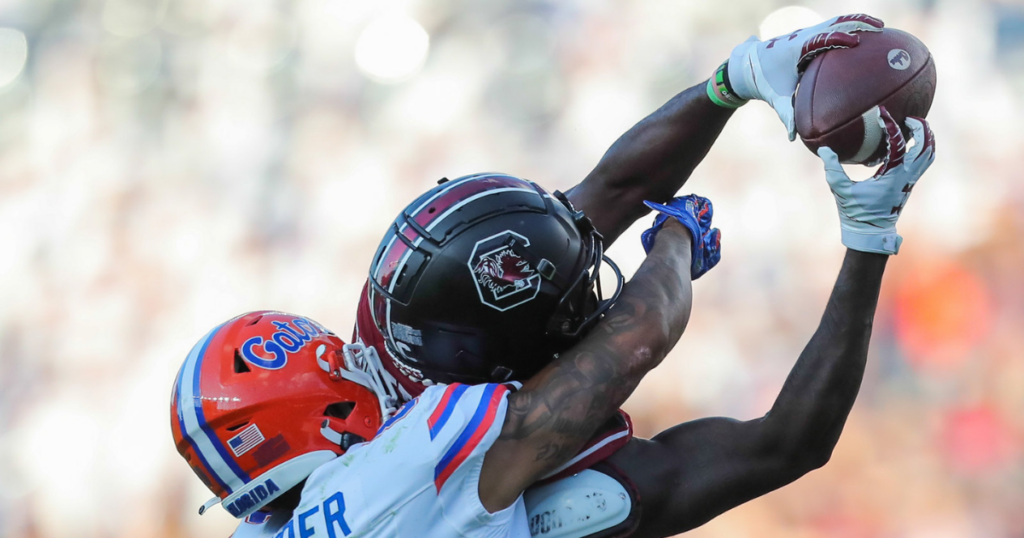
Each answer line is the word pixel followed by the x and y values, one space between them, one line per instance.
pixel 563 405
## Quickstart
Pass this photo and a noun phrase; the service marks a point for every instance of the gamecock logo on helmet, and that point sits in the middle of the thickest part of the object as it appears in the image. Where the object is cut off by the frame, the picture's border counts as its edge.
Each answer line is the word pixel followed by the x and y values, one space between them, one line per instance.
pixel 503 278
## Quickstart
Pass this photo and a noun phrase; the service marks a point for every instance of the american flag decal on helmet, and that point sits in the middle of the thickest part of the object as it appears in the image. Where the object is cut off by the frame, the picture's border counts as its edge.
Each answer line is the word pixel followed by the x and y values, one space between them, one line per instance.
pixel 246 440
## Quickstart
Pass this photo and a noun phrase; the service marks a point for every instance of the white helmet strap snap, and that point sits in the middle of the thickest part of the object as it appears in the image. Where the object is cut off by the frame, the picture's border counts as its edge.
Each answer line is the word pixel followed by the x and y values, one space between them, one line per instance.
pixel 208 505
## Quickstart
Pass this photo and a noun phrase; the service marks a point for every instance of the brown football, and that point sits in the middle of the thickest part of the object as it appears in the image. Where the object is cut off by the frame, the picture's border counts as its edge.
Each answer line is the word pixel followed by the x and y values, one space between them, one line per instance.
pixel 836 104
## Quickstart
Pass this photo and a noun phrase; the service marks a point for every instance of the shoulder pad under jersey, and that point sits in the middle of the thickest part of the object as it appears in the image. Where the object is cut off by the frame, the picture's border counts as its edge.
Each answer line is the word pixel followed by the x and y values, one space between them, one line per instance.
pixel 589 504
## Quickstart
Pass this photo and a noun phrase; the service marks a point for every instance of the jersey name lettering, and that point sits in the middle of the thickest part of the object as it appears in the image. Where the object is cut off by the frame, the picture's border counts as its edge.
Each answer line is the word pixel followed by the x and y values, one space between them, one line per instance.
pixel 332 515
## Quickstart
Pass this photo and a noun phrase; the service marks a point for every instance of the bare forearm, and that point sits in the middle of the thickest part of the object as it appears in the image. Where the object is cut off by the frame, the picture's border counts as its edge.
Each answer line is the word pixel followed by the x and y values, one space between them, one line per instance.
pixel 817 397
pixel 584 386
pixel 651 161
pixel 560 408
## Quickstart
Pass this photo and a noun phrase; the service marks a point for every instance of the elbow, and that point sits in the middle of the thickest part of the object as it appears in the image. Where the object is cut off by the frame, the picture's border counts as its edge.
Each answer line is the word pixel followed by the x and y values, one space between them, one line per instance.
pixel 798 452
pixel 794 463
pixel 807 459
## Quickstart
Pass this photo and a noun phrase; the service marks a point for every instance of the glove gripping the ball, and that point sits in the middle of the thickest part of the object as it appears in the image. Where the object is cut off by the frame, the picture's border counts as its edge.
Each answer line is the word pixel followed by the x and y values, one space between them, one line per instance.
pixel 770 70
pixel 869 209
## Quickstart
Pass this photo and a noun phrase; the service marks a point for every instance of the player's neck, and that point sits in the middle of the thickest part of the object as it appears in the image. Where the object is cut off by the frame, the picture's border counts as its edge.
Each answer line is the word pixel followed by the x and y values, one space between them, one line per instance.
pixel 287 501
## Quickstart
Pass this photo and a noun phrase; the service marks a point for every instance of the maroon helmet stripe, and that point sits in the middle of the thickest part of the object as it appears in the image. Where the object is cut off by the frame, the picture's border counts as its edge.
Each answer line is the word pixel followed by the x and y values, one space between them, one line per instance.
pixel 425 217
pixel 393 256
pixel 461 192
pixel 396 248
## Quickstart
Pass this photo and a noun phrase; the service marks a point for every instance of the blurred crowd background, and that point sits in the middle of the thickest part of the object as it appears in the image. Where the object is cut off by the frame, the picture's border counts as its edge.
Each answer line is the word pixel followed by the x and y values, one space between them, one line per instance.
pixel 168 164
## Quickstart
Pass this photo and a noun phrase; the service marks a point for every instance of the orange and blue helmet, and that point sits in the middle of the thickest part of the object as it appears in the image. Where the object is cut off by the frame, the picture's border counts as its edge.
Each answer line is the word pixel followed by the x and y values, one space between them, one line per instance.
pixel 267 397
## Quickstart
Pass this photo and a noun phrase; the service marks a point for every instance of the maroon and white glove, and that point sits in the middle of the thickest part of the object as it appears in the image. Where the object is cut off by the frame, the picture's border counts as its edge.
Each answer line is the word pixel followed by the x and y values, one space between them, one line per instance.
pixel 869 209
pixel 769 70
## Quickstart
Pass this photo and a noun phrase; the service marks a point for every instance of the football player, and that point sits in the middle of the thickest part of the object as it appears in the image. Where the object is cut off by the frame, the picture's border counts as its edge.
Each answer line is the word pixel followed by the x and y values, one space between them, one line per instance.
pixel 686 475
pixel 475 285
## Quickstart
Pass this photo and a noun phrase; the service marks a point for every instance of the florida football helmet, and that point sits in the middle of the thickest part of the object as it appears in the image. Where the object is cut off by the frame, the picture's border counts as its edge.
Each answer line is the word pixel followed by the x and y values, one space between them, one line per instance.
pixel 265 398
pixel 486 278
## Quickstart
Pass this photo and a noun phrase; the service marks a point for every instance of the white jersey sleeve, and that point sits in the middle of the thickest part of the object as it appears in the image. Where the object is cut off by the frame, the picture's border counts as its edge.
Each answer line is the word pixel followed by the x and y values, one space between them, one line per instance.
pixel 466 421
pixel 418 477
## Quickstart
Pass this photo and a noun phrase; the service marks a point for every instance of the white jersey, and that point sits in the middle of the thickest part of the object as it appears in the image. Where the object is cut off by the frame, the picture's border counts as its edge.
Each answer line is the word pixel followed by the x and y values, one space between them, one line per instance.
pixel 417 478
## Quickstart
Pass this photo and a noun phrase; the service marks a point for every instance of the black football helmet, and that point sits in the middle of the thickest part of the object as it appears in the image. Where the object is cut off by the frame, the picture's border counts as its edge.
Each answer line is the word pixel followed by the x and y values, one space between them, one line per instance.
pixel 486 278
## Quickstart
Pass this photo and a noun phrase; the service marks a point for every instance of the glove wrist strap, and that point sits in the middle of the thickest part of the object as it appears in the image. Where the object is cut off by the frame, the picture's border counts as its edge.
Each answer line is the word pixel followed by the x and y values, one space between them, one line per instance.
pixel 884 243
pixel 719 90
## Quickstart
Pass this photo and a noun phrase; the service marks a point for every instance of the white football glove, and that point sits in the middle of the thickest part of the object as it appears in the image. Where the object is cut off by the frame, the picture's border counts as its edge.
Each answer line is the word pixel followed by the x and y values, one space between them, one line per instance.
pixel 869 209
pixel 769 70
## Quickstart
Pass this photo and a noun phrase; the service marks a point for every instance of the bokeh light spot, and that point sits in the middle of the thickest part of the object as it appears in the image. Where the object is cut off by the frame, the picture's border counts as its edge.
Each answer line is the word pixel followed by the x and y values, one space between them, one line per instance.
pixel 392 48
pixel 13 53
pixel 976 439
pixel 785 20
pixel 942 311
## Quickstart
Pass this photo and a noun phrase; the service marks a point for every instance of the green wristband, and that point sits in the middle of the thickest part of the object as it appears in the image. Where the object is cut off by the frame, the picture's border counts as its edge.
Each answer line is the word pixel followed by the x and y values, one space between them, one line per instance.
pixel 719 91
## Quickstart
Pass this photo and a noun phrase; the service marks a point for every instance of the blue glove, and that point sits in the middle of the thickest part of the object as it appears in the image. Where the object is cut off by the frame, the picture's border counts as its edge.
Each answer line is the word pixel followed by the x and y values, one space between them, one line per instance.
pixel 694 212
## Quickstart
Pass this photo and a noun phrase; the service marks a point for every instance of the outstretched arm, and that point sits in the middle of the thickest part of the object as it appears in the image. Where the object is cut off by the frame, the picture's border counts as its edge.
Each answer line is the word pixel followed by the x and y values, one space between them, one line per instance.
pixel 654 159
pixel 651 161
pixel 693 472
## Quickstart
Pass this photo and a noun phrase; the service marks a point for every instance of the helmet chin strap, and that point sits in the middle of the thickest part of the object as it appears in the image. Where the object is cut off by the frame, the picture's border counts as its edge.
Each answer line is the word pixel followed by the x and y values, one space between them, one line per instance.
pixel 363 366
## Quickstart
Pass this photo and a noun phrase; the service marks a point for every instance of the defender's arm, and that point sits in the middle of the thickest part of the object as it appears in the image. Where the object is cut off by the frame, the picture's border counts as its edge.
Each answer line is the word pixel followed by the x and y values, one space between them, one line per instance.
pixel 560 408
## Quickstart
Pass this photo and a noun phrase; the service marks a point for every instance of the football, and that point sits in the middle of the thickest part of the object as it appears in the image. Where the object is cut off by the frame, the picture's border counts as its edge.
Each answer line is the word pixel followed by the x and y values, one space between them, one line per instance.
pixel 836 103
